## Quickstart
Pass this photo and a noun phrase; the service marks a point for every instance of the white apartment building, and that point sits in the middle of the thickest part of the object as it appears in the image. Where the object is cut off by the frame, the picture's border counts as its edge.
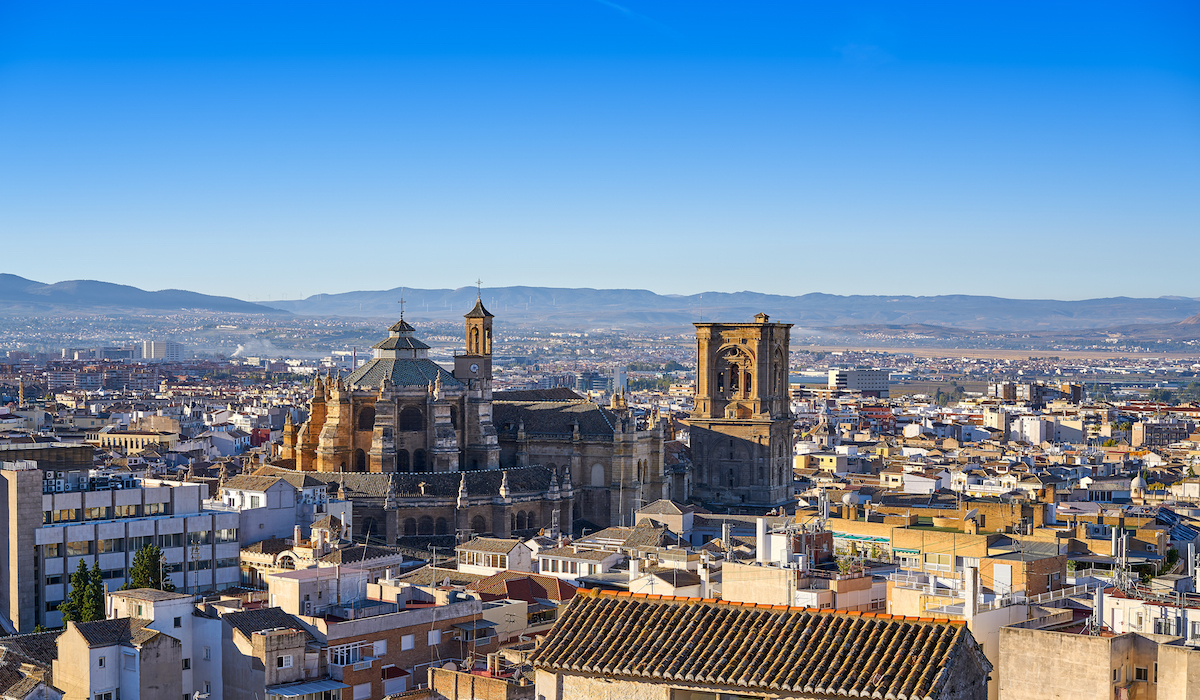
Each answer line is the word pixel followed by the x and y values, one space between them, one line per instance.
pixel 54 520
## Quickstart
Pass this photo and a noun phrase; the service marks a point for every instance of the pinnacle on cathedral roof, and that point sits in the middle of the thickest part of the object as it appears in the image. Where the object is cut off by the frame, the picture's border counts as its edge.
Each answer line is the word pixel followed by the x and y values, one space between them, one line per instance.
pixel 478 311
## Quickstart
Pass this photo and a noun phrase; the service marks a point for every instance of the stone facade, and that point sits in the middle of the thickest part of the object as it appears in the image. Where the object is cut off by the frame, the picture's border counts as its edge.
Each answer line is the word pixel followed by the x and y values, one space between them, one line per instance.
pixel 741 428
pixel 392 432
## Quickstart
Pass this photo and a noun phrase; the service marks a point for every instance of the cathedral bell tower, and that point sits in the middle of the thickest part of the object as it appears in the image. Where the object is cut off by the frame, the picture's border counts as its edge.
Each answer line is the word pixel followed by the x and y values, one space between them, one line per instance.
pixel 741 428
pixel 476 363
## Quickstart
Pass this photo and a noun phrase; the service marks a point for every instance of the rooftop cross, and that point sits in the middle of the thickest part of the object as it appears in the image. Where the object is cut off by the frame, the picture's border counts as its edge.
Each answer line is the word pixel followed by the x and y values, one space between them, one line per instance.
pixel 479 287
pixel 401 303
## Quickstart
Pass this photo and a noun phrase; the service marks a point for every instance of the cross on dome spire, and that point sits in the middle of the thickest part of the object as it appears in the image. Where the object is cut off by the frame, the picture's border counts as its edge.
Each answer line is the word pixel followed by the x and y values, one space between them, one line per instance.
pixel 479 289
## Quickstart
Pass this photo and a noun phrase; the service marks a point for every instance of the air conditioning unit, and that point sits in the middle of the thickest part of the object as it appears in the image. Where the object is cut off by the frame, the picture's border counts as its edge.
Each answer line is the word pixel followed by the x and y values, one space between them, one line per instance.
pixel 458 636
pixel 59 488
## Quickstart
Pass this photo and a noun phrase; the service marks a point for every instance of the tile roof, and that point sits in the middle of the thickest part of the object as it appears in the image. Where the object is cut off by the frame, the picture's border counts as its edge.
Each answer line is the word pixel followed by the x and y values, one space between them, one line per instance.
pixel 401 372
pixel 772 648
pixel 519 585
pixel 300 480
pixel 478 311
pixel 552 417
pixel 484 482
pixel 557 394
pixel 579 554
pixel 122 630
pixel 247 482
pixel 250 621
pixel 423 575
pixel 490 544
pixel 271 545
pixel 677 578
pixel 398 342
pixel 359 553
pixel 38 648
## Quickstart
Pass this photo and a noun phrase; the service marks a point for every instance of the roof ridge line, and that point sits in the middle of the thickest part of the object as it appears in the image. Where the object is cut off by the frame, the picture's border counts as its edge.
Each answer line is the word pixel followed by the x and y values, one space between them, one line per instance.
pixel 734 603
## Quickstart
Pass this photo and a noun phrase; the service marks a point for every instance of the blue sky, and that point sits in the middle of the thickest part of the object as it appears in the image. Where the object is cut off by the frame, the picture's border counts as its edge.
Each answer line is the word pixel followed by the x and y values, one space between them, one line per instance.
pixel 273 150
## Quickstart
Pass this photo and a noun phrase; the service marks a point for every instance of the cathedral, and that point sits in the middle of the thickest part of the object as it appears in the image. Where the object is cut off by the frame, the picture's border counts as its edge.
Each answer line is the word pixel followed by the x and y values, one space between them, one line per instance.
pixel 424 451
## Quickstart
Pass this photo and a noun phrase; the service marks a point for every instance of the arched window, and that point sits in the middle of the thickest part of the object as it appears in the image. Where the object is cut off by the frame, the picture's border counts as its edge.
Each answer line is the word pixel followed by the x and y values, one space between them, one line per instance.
pixel 366 418
pixel 410 527
pixel 425 526
pixel 419 461
pixel 287 562
pixel 479 525
pixel 360 461
pixel 530 520
pixel 519 523
pixel 411 419
pixel 402 461
pixel 443 527
pixel 454 417
pixel 474 350
pixel 597 475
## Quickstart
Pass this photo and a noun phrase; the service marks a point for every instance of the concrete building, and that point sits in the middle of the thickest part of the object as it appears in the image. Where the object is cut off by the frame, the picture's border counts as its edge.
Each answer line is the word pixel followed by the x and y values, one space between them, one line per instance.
pixel 869 382
pixel 162 350
pixel 49 528
pixel 485 556
pixel 122 658
pixel 173 614
pixel 272 506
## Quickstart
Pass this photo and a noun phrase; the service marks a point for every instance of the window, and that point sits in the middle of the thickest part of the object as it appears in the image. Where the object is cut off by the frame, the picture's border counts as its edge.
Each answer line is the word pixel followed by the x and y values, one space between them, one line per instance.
pixel 207 653
pixel 227 562
pixel 435 637
pixel 139 610
pixel 57 579
pixel 52 605
pixel 207 687
pixel 128 511
pixel 254 501
pixel 1116 675
pixel 113 545
pixel 109 574
pixel 1196 630
pixel 283 661
pixel 103 696
pixel 66 515
pixel 96 514
pixel 406 642
pixel 156 509
pixel 178 622
pixel 938 562
pixel 227 535
pixel 129 662
pixel 52 551
pixel 1141 674
pixel 362 691
pixel 200 537
pixel 171 540
pixel 100 662
pixel 381 647
pixel 187 664
pixel 79 549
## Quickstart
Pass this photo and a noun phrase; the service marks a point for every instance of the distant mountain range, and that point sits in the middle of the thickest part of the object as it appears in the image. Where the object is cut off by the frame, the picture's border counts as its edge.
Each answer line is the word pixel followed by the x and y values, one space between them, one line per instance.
pixel 629 308
pixel 585 308
pixel 18 294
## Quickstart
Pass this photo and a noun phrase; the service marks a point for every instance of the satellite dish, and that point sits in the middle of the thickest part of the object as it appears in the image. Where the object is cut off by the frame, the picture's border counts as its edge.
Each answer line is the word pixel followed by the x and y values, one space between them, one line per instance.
pixel 450 666
pixel 973 513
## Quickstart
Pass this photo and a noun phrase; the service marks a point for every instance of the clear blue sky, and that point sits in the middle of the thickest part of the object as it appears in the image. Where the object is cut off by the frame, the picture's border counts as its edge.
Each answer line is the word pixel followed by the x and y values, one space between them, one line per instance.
pixel 270 150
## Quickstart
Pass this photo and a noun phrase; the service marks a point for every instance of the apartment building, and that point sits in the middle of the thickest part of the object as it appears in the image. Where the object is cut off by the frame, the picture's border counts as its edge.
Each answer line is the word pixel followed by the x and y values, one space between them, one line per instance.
pixel 123 658
pixel 54 522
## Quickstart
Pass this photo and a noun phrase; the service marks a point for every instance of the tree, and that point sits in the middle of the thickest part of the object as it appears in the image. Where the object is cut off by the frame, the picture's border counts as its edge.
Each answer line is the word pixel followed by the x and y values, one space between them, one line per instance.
pixel 146 571
pixel 72 607
pixel 93 598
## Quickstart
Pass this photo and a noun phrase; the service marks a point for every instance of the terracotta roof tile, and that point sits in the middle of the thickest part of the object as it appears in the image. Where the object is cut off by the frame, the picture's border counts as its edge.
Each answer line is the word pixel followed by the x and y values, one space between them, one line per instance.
pixel 775 648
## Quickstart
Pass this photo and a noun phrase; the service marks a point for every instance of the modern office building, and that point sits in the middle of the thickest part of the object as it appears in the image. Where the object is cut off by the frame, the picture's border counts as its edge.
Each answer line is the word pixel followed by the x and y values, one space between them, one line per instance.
pixel 53 519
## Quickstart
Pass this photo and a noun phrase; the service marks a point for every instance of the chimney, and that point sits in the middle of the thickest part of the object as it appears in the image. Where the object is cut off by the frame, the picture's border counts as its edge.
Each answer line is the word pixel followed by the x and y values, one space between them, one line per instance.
pixel 634 569
pixel 971 593
pixel 703 579
pixel 320 542
pixel 296 536
pixel 761 545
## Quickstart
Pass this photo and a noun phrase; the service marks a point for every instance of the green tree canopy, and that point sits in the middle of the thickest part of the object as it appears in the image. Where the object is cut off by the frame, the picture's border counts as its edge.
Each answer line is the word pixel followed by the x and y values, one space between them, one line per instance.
pixel 72 608
pixel 146 571
pixel 93 597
